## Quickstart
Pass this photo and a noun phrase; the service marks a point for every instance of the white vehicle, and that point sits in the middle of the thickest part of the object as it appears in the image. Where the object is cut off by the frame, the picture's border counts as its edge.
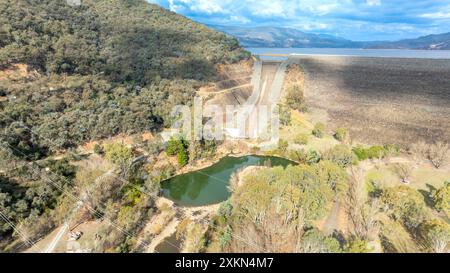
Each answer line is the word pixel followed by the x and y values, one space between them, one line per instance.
pixel 75 236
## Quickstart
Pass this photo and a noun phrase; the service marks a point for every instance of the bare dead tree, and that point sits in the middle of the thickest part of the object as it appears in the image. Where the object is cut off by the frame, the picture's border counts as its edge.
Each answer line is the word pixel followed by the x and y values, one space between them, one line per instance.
pixel 276 233
pixel 439 242
pixel 362 213
pixel 403 170
pixel 234 181
pixel 419 150
pixel 438 154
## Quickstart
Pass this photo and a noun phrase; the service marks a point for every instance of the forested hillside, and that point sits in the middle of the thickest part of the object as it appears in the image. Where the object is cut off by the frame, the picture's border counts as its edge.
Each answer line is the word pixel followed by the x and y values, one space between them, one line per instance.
pixel 104 67
pixel 71 74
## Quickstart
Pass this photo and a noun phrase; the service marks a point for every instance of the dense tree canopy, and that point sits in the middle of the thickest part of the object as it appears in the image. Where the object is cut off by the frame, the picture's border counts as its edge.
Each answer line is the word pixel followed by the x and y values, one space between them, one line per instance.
pixel 102 68
pixel 71 74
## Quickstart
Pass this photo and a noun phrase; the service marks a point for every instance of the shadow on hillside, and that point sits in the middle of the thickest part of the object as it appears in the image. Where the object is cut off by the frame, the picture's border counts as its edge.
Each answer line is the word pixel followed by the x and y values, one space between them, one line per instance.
pixel 142 54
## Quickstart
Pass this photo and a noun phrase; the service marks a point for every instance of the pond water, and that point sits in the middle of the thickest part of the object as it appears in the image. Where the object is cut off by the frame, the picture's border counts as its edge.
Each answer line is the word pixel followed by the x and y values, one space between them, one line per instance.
pixel 209 186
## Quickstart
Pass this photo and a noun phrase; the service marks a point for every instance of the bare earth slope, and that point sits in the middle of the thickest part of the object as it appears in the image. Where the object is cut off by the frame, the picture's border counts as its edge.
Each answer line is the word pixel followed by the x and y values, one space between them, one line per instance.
pixel 382 100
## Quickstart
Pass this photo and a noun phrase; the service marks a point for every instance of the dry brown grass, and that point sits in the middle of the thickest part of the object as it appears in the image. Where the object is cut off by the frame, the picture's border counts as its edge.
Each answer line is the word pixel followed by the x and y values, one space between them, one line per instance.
pixel 382 100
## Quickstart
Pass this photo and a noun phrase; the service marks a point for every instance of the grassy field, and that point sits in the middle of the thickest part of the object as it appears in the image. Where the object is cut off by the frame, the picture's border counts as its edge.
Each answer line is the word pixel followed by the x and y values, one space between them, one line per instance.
pixel 423 177
pixel 381 100
pixel 302 124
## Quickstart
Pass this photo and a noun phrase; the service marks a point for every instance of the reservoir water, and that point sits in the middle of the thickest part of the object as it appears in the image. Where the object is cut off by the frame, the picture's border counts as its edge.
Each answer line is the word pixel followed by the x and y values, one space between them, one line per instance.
pixel 209 186
pixel 389 53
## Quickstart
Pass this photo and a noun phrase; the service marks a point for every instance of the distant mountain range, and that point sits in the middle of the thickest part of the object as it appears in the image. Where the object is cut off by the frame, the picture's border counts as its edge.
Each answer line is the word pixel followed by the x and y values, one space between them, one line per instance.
pixel 430 42
pixel 293 38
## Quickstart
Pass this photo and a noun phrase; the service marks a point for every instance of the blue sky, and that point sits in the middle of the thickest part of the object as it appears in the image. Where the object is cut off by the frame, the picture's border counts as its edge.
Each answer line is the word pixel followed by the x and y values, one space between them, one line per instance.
pixel 351 19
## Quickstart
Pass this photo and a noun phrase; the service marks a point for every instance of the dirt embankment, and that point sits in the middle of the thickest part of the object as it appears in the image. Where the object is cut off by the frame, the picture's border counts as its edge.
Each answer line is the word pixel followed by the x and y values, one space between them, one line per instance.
pixel 381 100
pixel 233 85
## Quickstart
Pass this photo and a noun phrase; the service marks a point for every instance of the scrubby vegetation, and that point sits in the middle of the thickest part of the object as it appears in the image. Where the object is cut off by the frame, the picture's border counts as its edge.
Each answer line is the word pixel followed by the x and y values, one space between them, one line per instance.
pixel 302 198
pixel 375 152
pixel 91 72
pixel 319 130
pixel 104 67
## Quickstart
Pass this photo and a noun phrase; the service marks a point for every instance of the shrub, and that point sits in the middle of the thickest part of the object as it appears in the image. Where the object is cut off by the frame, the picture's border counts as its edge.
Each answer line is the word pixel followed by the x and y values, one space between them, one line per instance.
pixel 283 145
pixel 298 155
pixel 391 150
pixel 369 153
pixel 183 157
pixel 178 147
pixel 118 154
pixel 172 147
pixel 341 155
pixel 225 209
pixel 341 134
pixel 284 115
pixel 295 98
pixel 301 139
pixel 154 147
pixel 319 130
pixel 312 157
pixel 98 149
pixel 226 237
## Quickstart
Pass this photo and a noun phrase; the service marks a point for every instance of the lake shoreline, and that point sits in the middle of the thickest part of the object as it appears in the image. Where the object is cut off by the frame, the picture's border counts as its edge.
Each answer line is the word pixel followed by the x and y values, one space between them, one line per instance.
pixel 356 52
pixel 209 186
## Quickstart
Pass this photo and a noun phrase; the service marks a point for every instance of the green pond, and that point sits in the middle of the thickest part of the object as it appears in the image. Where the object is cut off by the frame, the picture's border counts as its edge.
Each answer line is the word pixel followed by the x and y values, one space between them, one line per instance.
pixel 209 186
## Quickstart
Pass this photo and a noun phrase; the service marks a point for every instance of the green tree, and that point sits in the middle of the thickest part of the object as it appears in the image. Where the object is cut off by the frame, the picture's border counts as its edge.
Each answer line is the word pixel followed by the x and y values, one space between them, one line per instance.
pixel 357 246
pixel 335 176
pixel 406 204
pixel 436 235
pixel 341 155
pixel 441 198
pixel 314 241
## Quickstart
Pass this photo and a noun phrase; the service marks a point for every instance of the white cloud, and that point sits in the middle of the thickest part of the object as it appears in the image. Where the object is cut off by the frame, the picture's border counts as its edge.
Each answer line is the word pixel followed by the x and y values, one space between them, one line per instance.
pixel 356 19
pixel 269 8
pixel 437 15
pixel 207 6
pixel 239 19
pixel 373 2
